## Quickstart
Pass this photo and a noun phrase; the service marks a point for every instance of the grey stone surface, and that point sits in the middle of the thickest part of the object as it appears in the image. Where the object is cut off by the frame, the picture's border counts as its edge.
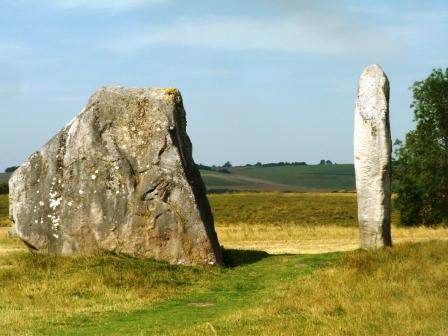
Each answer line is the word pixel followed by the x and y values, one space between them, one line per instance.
pixel 372 149
pixel 119 177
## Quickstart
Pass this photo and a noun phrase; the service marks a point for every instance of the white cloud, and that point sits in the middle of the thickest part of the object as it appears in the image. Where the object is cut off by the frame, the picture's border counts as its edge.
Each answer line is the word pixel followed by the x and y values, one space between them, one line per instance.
pixel 312 29
pixel 302 32
pixel 113 5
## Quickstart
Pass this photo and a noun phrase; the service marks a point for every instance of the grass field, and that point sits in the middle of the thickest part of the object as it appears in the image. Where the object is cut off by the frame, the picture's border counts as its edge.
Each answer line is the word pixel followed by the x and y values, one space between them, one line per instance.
pixel 286 178
pixel 398 291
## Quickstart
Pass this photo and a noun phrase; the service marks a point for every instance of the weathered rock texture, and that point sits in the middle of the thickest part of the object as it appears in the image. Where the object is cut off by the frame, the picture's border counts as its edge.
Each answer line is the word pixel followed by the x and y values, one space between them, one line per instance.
pixel 372 147
pixel 119 177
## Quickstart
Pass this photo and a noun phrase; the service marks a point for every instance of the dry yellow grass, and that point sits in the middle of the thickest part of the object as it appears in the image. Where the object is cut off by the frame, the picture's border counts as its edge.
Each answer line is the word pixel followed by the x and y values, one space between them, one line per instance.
pixel 293 238
pixel 7 244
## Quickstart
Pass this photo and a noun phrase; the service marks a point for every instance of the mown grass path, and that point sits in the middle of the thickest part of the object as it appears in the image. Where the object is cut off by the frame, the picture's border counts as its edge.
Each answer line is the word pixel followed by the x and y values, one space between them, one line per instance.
pixel 238 288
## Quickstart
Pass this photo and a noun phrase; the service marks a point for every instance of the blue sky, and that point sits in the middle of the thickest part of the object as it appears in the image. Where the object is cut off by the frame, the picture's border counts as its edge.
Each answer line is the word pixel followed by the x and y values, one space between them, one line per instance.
pixel 262 80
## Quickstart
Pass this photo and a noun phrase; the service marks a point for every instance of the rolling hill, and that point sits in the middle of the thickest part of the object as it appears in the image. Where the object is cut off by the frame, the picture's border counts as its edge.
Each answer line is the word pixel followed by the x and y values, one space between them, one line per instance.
pixel 282 178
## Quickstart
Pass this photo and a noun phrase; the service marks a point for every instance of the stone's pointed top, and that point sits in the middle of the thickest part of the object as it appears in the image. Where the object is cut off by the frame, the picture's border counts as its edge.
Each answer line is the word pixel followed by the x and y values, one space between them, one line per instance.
pixel 373 70
pixel 153 92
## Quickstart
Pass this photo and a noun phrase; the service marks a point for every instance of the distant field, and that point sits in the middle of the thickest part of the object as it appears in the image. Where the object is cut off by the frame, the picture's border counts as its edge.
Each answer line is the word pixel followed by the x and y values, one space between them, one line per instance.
pixel 4 177
pixel 303 209
pixel 287 178
pixel 4 210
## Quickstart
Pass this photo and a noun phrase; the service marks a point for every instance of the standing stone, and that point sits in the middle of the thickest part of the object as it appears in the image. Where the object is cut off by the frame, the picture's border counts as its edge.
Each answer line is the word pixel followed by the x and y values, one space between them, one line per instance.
pixel 372 147
pixel 119 177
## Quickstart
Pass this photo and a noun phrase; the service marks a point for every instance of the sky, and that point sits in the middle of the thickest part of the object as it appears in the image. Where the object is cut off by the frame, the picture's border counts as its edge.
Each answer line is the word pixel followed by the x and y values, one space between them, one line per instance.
pixel 261 80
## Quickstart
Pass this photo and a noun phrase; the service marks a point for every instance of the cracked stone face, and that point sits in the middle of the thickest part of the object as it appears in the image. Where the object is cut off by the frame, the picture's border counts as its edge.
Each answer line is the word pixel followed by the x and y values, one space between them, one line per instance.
pixel 119 177
pixel 372 149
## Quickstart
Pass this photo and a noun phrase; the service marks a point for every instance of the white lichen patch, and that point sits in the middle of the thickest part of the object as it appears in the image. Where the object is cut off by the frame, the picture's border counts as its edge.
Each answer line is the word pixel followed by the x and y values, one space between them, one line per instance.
pixel 55 202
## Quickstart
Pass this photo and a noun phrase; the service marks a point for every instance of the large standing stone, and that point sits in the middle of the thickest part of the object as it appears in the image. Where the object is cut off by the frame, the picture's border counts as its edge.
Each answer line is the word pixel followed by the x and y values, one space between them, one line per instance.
pixel 119 177
pixel 372 144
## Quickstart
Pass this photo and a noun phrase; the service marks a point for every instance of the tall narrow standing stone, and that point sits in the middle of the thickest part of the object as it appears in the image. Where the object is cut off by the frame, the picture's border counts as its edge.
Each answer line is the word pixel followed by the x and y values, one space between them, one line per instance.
pixel 372 149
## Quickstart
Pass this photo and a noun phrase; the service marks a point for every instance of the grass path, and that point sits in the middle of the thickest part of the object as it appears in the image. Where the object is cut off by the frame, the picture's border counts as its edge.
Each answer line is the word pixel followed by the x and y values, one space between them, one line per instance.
pixel 238 288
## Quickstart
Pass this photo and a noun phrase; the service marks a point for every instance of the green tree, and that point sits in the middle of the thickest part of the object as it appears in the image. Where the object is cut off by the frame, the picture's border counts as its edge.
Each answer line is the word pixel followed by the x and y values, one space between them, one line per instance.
pixel 11 169
pixel 227 165
pixel 421 169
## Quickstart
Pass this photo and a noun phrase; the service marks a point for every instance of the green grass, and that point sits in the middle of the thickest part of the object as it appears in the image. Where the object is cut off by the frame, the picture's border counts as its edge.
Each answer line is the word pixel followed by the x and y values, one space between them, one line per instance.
pixel 287 178
pixel 231 289
pixel 399 291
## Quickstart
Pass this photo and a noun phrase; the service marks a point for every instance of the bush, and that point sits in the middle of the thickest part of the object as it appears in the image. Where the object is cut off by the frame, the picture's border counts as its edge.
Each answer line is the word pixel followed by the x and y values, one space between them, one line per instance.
pixel 421 169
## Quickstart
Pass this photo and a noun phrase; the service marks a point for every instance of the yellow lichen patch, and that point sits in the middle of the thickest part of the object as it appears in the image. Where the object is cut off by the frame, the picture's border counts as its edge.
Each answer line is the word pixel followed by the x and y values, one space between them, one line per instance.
pixel 170 91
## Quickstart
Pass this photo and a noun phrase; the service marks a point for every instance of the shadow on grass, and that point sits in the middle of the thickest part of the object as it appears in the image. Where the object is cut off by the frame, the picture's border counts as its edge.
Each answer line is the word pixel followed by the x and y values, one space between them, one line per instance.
pixel 234 258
